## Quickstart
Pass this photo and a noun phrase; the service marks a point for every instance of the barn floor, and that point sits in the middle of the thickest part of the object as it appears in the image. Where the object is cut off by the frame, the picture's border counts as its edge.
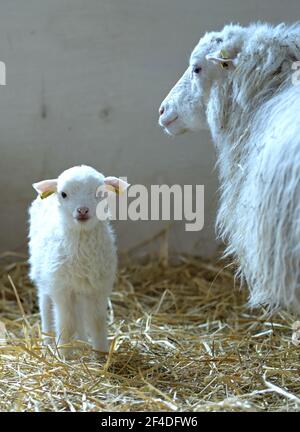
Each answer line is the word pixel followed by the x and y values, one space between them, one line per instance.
pixel 182 340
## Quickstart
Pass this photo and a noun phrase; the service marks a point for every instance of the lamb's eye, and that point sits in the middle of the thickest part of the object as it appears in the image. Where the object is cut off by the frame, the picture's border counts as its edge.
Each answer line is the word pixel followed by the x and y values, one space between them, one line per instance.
pixel 197 69
pixel 64 195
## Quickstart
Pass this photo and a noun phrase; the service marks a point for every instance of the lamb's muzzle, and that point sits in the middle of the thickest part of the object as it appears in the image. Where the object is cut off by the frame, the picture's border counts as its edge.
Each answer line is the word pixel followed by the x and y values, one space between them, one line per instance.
pixel 82 213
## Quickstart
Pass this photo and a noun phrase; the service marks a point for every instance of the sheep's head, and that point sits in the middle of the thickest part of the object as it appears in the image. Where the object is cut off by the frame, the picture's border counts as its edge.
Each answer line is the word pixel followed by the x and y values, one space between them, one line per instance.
pixel 212 61
pixel 77 191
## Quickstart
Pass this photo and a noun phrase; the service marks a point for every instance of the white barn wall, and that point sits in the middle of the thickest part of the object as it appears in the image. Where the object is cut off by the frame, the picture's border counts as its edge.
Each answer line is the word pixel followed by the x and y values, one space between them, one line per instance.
pixel 84 82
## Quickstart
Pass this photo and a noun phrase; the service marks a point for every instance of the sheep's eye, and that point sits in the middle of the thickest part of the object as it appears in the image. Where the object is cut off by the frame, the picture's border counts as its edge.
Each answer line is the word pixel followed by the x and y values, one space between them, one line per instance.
pixel 219 40
pixel 197 69
pixel 64 195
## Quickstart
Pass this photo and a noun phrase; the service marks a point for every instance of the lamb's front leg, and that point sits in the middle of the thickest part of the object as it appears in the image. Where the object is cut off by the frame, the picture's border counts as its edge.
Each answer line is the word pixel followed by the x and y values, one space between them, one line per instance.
pixel 64 322
pixel 45 305
pixel 96 322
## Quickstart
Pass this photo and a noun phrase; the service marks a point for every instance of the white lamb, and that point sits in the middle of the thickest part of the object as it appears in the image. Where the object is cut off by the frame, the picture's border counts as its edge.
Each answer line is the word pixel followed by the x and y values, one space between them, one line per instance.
pixel 243 84
pixel 73 255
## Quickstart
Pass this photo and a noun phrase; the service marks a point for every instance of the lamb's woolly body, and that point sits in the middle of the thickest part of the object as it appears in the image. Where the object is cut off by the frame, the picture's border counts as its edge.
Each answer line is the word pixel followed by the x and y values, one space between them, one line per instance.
pixel 83 261
pixel 73 268
pixel 253 113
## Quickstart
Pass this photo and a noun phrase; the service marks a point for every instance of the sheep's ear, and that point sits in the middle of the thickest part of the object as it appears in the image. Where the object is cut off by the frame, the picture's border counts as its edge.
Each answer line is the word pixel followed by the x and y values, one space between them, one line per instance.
pixel 115 184
pixel 222 58
pixel 45 187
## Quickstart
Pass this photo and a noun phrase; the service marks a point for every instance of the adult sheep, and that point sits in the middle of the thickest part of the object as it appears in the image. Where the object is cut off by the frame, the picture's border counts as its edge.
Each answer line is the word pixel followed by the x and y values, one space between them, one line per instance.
pixel 242 83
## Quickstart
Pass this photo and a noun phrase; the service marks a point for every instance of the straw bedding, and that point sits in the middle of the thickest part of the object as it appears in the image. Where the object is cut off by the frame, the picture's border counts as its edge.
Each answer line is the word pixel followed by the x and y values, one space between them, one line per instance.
pixel 182 339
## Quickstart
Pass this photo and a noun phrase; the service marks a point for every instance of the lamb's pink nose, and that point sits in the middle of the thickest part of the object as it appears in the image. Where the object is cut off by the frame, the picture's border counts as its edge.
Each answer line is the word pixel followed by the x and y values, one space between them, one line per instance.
pixel 161 110
pixel 82 211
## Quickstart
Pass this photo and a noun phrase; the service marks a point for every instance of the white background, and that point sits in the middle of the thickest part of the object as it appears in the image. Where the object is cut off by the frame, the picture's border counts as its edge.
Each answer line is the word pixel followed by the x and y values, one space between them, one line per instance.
pixel 84 82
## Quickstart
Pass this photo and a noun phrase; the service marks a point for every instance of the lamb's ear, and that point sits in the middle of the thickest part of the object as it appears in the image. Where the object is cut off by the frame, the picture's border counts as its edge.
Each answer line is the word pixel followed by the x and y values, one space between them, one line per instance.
pixel 222 58
pixel 115 184
pixel 45 187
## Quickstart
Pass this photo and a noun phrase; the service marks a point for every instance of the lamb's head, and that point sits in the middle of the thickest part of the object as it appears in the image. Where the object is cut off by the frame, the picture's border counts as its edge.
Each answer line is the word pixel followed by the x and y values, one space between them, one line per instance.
pixel 213 60
pixel 77 192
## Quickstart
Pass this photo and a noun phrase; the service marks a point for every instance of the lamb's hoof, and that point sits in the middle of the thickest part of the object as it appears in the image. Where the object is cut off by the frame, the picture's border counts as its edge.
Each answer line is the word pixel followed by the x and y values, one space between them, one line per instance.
pixel 48 341
pixel 66 353
pixel 101 349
